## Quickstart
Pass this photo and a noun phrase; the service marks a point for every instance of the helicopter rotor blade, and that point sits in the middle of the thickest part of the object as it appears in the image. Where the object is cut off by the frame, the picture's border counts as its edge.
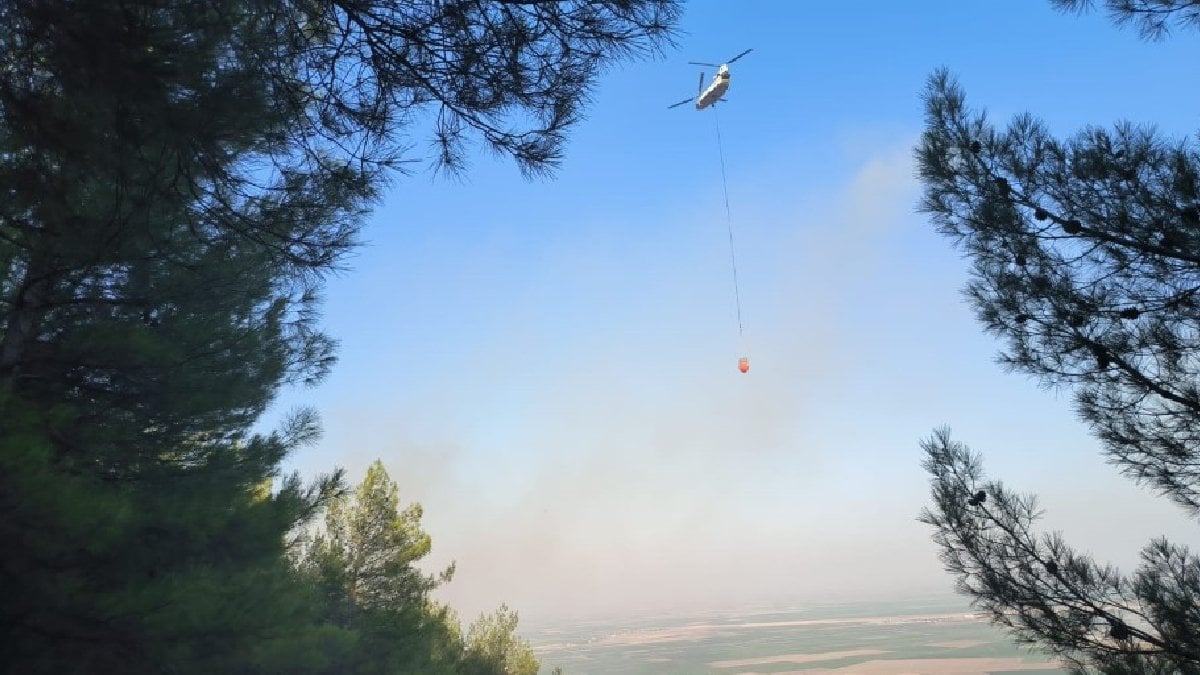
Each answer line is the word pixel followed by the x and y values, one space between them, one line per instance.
pixel 676 105
pixel 700 86
pixel 701 63
pixel 739 56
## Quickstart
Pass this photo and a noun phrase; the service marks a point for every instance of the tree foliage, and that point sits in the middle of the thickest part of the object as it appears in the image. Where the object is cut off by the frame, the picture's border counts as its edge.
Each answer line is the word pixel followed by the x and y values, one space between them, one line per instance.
pixel 1086 262
pixel 176 179
pixel 492 646
pixel 364 561
pixel 368 550
pixel 1153 18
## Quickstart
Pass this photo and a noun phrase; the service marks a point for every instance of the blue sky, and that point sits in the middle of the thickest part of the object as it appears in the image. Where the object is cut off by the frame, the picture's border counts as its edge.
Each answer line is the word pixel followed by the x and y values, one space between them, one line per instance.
pixel 550 366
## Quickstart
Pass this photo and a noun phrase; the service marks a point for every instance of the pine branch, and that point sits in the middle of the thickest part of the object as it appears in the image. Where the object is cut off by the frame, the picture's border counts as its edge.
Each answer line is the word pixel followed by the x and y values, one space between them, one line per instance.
pixel 1048 594
pixel 1071 268
pixel 1153 18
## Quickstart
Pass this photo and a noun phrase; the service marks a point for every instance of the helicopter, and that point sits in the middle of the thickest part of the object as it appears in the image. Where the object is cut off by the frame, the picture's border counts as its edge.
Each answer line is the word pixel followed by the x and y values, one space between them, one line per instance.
pixel 716 90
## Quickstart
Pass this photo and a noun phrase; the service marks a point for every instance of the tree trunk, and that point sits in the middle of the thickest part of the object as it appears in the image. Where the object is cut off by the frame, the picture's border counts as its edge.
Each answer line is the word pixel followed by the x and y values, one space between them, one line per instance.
pixel 20 326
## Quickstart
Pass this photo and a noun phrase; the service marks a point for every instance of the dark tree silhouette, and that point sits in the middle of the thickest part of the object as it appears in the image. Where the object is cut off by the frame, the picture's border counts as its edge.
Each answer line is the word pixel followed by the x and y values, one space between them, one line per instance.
pixel 1153 18
pixel 1086 260
pixel 176 178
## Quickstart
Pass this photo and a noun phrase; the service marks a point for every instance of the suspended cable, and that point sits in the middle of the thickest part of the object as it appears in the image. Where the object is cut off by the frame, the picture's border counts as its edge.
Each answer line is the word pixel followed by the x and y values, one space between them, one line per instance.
pixel 729 225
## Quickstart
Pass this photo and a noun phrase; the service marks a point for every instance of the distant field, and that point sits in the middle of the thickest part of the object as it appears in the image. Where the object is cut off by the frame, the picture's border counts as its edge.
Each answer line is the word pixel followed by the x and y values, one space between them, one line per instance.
pixel 846 639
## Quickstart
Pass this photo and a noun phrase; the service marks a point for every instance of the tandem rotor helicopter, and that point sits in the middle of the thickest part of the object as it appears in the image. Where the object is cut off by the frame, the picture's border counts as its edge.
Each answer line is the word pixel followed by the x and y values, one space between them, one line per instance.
pixel 718 87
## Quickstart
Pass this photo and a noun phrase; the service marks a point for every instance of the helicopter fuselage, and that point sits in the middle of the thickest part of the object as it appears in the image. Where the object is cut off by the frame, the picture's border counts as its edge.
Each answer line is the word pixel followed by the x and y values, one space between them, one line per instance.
pixel 715 91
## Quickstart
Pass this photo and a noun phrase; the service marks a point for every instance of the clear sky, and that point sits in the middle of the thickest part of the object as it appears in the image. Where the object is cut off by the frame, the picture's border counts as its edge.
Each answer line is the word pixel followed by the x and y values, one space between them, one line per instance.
pixel 549 367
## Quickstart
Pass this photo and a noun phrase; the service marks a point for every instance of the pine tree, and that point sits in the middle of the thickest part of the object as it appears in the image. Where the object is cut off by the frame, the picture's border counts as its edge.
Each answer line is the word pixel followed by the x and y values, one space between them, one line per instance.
pixel 175 181
pixel 365 563
pixel 494 648
pixel 366 555
pixel 1086 260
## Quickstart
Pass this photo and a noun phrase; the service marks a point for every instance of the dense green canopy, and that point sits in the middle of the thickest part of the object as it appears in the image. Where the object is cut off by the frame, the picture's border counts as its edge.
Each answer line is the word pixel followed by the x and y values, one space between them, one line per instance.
pixel 176 178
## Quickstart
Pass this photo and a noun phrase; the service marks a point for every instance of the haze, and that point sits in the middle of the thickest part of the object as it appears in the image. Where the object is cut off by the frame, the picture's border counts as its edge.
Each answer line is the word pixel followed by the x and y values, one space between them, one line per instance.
pixel 549 367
